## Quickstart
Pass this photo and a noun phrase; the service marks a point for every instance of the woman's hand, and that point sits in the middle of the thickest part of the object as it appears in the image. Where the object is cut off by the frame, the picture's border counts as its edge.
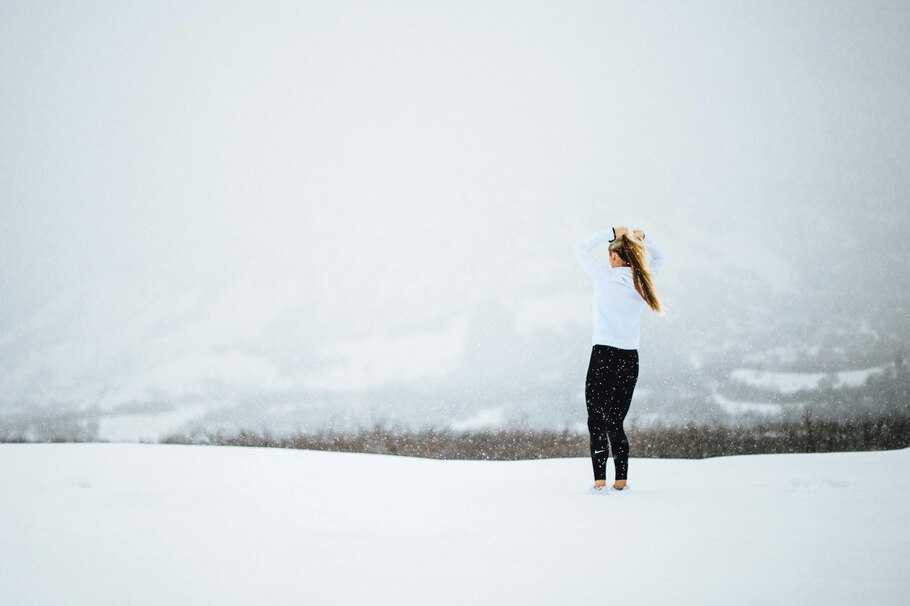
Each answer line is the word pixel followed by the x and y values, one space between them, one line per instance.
pixel 619 231
pixel 639 234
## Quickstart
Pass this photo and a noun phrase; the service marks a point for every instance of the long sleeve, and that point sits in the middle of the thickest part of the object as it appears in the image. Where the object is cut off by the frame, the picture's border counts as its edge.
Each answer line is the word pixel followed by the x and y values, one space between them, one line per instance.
pixel 588 263
pixel 656 261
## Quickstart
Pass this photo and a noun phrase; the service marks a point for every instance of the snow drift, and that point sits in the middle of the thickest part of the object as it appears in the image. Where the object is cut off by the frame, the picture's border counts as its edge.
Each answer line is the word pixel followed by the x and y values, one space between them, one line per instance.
pixel 166 524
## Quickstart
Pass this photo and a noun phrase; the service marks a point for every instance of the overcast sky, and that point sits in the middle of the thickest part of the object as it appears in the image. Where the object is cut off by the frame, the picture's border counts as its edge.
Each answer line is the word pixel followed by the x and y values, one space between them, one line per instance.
pixel 294 176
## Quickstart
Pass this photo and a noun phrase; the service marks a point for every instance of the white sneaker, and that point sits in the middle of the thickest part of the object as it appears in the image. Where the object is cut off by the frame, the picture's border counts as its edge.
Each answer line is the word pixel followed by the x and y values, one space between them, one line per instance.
pixel 599 491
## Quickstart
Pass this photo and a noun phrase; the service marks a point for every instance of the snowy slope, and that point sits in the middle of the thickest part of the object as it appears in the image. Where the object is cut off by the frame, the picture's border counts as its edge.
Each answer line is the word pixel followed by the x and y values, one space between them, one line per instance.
pixel 792 382
pixel 165 524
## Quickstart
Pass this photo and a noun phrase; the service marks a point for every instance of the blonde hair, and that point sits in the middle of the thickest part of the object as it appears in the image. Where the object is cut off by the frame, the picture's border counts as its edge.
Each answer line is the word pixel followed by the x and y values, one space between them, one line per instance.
pixel 632 251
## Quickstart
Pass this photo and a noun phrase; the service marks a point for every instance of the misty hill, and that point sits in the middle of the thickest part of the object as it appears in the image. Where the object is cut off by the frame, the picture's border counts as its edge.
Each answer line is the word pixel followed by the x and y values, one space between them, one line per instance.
pixel 296 215
pixel 491 364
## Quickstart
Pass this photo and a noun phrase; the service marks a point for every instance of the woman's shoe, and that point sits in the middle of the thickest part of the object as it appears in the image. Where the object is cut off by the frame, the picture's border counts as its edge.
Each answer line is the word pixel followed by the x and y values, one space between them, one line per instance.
pixel 599 491
pixel 623 489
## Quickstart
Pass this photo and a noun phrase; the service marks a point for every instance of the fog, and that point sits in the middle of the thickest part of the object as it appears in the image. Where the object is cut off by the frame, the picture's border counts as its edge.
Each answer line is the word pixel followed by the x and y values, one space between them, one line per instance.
pixel 287 214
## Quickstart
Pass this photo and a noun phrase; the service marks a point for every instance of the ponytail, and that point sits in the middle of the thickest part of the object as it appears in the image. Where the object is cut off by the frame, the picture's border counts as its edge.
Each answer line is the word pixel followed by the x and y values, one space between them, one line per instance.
pixel 632 251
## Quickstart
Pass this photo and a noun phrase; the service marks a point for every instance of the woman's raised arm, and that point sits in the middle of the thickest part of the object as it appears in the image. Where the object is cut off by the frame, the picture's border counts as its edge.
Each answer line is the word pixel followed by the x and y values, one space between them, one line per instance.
pixel 589 264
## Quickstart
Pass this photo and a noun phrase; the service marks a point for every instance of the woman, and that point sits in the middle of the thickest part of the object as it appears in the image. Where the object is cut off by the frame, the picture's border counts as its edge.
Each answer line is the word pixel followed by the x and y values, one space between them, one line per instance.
pixel 621 292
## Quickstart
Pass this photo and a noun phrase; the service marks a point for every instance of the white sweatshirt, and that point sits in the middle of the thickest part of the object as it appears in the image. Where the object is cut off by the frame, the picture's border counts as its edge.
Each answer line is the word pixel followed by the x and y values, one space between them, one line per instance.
pixel 617 306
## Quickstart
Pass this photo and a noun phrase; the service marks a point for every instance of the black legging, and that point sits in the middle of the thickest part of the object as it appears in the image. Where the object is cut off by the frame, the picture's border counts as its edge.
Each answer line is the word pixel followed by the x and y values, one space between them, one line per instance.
pixel 611 379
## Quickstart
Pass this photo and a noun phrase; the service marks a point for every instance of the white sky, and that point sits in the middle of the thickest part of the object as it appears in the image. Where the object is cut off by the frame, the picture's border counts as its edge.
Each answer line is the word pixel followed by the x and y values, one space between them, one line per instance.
pixel 290 176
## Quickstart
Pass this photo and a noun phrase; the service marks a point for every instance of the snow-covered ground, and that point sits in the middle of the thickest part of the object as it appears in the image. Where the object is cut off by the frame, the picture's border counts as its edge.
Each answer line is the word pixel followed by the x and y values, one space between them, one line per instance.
pixel 166 524
pixel 733 407
pixel 148 426
pixel 791 382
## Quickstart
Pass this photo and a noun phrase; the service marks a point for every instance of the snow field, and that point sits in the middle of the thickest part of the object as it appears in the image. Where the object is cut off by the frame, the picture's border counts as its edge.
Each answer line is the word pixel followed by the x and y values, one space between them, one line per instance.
pixel 169 524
